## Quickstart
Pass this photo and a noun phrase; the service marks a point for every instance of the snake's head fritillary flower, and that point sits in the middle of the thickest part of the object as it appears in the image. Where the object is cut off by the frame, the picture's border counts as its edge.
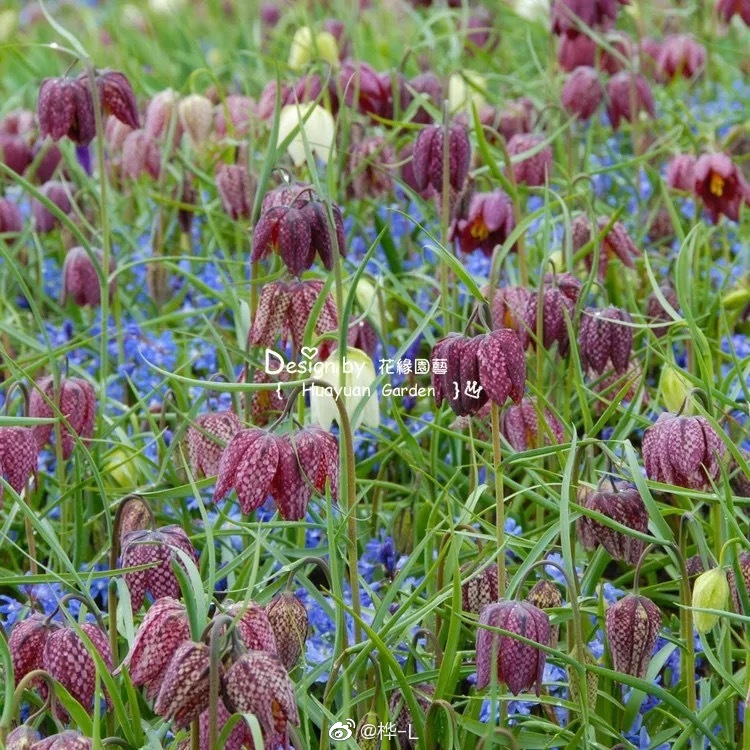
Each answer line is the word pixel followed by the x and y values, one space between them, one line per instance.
pixel 65 108
pixel 371 167
pixel 628 94
pixel 140 155
pixel 428 87
pixel 75 400
pixel 365 90
pixel 739 479
pixel 236 188
pixel 509 306
pixel 623 504
pixel 258 683
pixel 605 338
pixel 520 426
pixel 184 691
pixel 67 658
pixel 743 560
pixel 116 96
pixel 67 740
pixel 683 451
pixel 680 55
pixel 576 51
pixel 308 45
pixel 480 589
pixel 314 125
pixel 582 93
pixel 363 336
pixel 615 242
pixel 487 222
pixel 519 665
pixel 570 17
pixel 559 295
pixel 11 218
pixel 163 630
pixel 710 591
pixel 26 643
pixel 18 457
pixel 157 548
pixel 162 117
pixel 681 172
pixel 80 279
pixel 207 437
pixel 720 185
pixel 233 116
pixel 535 168
pixel 59 193
pixel 428 155
pixel 326 243
pixel 239 738
pixel 22 738
pixel 659 317
pixel 284 230
pixel 400 713
pixel 290 623
pixel 726 9
pixel 254 627
pixel 15 152
pixel 632 626
pixel 196 113
pixel 545 595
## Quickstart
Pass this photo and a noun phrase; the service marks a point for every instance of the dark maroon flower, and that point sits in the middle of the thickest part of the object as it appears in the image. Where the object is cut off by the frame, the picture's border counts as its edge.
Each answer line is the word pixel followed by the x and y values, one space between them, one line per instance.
pixel 534 169
pixel 480 589
pixel 428 86
pixel 559 296
pixel 681 172
pixel 515 118
pixel 15 153
pixel 236 188
pixel 680 55
pixel 520 426
pixel 582 93
pixel 207 437
pixel 65 108
pixel 22 738
pixel 140 155
pixel 623 504
pixel 545 595
pixel 67 658
pixel 365 90
pixel 287 194
pixel 76 402
pixel 605 339
pixel 11 219
pixel 257 463
pixel 362 336
pixel 18 122
pixel 289 620
pixel 428 157
pixel 163 630
pixel 265 406
pixel 659 317
pixel 571 16
pixel 682 451
pixel 739 480
pixel 18 457
pixel 472 371
pixel 480 31
pixel 322 240
pixel 240 737
pixel 184 691
pixel 26 644
pixel 519 665
pixel 625 90
pixel 632 626
pixel 615 242
pixel 258 683
pixel 67 740
pixel 488 222
pixel 576 51
pixel 59 193
pixel 622 46
pixel 286 231
pixel 157 548
pixel 80 279
pixel 720 185
pixel 284 310
pixel 254 627
pixel 728 8
pixel 116 96
pixel 370 168
pixel 509 305
pixel 400 713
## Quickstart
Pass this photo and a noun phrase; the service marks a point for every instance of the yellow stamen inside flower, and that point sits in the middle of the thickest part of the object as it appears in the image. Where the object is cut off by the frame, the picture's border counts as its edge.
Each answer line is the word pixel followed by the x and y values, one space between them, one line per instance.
pixel 479 230
pixel 716 185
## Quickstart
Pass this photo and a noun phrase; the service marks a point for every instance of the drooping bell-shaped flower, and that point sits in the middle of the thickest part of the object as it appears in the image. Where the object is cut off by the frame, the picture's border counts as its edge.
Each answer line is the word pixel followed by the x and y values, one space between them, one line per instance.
pixel 236 188
pixel 681 172
pixel 659 317
pixel 163 630
pixel 719 183
pixel 253 626
pixel 240 737
pixel 80 279
pixel 519 665
pixel 545 595
pixel 371 167
pixel 207 437
pixel 680 55
pixel 509 310
pixel 487 222
pixel 258 683
pixel 743 560
pixel 26 643
pixel 605 339
pixel 623 504
pixel 400 713
pixel 683 451
pixel 632 626
pixel 428 157
pixel 615 243
pixel 196 117
pixel 11 218
pixel 59 193
pixel 257 463
pixel 628 94
pixel 535 168
pixel 710 591
pixel 158 548
pixel 472 371
pixel 76 401
pixel 582 93
pixel 559 296
pixel 571 17
pixel 290 623
pixel 480 589
pixel 314 125
pixel 67 658
pixel 67 740
pixel 520 426
pixel 184 691
pixel 18 457
pixel 233 116
pixel 22 738
pixel 116 95
pixel 65 108
pixel 140 155
pixel 726 9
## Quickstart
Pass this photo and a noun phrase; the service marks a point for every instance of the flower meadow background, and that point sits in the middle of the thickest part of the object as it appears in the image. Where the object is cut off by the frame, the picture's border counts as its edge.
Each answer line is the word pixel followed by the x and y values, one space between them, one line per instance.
pixel 528 228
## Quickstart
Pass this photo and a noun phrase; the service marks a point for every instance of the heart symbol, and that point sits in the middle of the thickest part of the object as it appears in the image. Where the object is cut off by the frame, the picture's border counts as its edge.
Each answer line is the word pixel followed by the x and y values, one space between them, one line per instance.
pixel 309 352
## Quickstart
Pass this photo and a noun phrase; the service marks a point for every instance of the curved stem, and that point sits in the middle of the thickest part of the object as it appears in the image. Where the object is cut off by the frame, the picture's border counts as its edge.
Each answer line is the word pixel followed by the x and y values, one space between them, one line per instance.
pixel 213 677
pixel 499 499
pixel 7 663
pixel 432 638
pixel 319 561
pixel 686 619
pixel 499 731
pixel 25 682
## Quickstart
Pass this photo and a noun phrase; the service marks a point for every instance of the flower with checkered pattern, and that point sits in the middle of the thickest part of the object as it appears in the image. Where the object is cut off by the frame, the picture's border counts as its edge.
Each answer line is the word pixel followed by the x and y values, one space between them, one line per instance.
pixel 605 339
pixel 289 620
pixel 184 691
pixel 206 439
pixel 18 457
pixel 632 626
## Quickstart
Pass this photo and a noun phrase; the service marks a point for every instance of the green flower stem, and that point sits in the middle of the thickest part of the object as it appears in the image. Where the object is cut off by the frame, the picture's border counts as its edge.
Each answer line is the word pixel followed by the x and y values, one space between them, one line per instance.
pixel 195 735
pixel 686 621
pixel 213 677
pixel 499 499
pixel 7 663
